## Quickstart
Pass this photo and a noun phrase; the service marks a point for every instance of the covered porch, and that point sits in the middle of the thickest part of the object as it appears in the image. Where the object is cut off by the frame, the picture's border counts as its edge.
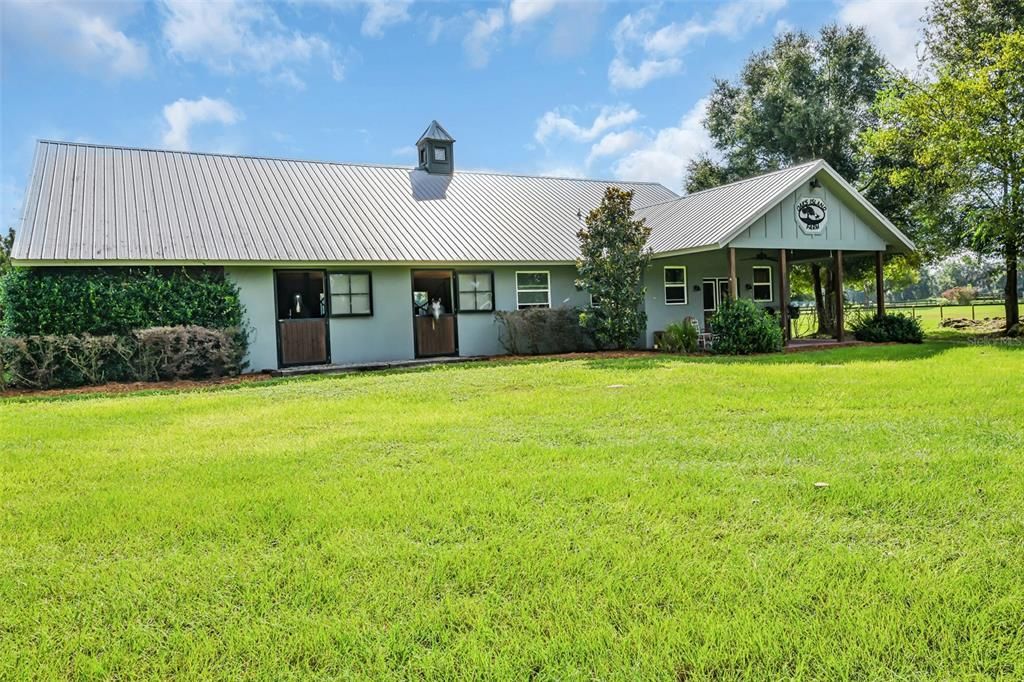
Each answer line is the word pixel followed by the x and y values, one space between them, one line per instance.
pixel 835 260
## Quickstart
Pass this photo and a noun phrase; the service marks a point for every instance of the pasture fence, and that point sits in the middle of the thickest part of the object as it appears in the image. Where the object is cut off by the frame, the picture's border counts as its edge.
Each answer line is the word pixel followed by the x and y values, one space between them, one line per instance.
pixel 930 312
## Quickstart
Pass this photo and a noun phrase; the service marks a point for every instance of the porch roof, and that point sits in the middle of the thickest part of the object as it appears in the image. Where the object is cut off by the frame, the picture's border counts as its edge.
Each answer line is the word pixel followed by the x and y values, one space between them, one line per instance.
pixel 712 218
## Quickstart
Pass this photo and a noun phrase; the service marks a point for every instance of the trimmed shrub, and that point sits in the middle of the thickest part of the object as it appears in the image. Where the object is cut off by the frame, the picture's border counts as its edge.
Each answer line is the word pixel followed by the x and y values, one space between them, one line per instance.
pixel 158 353
pixel 741 328
pixel 888 328
pixel 679 337
pixel 100 302
pixel 534 331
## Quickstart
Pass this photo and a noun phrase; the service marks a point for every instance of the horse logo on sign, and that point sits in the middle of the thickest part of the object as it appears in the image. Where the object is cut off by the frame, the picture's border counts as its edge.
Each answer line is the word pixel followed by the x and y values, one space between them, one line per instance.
pixel 812 215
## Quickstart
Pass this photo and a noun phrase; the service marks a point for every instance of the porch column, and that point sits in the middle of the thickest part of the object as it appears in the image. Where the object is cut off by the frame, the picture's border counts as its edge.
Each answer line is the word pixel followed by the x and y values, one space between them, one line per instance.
pixel 879 284
pixel 840 321
pixel 734 290
pixel 784 294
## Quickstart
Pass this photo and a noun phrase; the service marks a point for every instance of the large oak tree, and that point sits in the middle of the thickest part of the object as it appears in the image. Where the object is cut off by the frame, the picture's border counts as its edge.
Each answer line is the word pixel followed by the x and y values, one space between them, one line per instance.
pixel 806 97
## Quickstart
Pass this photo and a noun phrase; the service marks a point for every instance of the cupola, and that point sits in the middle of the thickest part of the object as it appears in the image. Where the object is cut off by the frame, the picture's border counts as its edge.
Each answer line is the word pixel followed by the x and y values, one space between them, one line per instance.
pixel 435 150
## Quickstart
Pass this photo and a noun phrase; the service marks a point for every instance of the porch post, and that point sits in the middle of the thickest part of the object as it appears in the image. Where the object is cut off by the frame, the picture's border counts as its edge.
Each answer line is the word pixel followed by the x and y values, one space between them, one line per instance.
pixel 879 284
pixel 784 294
pixel 839 295
pixel 734 291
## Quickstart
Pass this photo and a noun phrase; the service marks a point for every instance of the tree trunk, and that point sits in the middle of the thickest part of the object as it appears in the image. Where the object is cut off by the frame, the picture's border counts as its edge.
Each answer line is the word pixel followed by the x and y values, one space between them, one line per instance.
pixel 824 325
pixel 1012 307
pixel 830 302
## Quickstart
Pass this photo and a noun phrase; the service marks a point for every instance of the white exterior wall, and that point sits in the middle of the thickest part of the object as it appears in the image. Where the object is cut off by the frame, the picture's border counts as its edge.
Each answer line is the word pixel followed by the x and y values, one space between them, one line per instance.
pixel 698 266
pixel 388 333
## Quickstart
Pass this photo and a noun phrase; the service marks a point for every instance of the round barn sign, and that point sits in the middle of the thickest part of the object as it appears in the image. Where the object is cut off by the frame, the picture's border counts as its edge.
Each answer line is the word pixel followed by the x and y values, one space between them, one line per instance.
pixel 812 215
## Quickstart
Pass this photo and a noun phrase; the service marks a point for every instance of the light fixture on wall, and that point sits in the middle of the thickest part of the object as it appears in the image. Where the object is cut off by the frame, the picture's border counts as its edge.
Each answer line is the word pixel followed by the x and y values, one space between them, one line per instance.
pixel 815 184
pixel 696 287
pixel 748 286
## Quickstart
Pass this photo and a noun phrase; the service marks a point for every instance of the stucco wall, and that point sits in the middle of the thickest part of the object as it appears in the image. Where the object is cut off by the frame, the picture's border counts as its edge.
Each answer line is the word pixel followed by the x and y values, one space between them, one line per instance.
pixel 388 333
pixel 698 266
pixel 256 289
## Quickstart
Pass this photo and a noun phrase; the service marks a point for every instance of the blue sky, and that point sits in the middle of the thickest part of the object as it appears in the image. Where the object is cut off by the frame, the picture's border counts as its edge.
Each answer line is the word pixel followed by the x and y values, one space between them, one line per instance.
pixel 596 89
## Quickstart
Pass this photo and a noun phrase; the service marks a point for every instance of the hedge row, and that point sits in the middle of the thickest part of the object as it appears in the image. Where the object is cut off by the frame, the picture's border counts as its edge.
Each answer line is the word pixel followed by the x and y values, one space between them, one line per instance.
pixel 533 331
pixel 158 353
pixel 114 301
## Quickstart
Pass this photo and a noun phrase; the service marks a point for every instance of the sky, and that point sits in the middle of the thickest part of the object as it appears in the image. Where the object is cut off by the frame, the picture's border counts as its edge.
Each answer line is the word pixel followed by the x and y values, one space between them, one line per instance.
pixel 582 88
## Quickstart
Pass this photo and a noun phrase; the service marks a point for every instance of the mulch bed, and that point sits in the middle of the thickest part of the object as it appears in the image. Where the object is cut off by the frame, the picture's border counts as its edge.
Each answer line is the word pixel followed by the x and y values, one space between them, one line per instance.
pixel 133 387
pixel 195 384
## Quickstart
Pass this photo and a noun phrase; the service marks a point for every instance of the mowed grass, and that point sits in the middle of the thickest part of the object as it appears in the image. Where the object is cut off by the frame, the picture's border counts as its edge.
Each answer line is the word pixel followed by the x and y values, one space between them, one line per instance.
pixel 633 519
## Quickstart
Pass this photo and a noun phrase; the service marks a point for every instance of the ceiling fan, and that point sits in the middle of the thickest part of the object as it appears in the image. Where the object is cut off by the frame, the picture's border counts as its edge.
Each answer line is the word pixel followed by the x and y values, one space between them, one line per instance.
pixel 761 255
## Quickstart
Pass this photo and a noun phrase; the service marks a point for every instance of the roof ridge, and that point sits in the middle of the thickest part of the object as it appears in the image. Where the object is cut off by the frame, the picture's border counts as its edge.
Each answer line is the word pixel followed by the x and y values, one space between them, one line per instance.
pixel 342 163
pixel 752 178
pixel 221 154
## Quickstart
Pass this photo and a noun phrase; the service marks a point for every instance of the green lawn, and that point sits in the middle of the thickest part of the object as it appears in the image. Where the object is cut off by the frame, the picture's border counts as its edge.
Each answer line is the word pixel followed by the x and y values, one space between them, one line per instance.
pixel 637 519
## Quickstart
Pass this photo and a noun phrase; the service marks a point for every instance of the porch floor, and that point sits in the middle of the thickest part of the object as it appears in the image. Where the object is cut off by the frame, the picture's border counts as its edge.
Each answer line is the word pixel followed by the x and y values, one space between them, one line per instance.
pixel 369 366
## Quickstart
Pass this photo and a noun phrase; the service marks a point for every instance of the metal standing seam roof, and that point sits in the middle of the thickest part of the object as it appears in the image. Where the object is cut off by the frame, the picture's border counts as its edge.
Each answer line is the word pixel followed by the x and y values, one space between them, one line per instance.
pixel 435 131
pixel 711 218
pixel 119 204
pixel 100 203
pixel 704 218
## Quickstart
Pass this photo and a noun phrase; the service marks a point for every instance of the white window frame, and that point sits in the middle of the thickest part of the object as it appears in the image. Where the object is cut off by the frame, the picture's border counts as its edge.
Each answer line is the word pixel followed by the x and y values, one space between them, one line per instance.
pixel 547 274
pixel 754 284
pixel 685 284
pixel 441 154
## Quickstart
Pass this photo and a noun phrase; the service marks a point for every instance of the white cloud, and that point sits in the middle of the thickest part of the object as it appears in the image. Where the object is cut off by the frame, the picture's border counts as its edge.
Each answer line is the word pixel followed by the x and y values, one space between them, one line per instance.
pixel 562 170
pixel 523 11
pixel 894 26
pixel 783 26
pixel 408 151
pixel 229 35
pixel 289 78
pixel 339 70
pixel 181 115
pixel 482 38
pixel 483 32
pixel 623 76
pixel 86 34
pixel 659 49
pixel 731 20
pixel 615 144
pixel 554 123
pixel 664 156
pixel 383 13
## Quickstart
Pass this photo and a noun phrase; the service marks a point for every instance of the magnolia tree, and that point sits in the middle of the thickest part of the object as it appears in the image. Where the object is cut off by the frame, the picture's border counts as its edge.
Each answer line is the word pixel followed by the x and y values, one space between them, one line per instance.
pixel 611 267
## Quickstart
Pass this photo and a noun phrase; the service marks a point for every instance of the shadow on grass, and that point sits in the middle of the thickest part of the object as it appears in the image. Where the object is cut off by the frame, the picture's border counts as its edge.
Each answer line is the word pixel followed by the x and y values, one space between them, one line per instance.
pixel 824 356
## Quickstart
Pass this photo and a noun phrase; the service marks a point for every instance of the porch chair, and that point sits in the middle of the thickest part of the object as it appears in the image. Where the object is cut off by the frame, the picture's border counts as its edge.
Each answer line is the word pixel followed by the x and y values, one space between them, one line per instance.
pixel 704 339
